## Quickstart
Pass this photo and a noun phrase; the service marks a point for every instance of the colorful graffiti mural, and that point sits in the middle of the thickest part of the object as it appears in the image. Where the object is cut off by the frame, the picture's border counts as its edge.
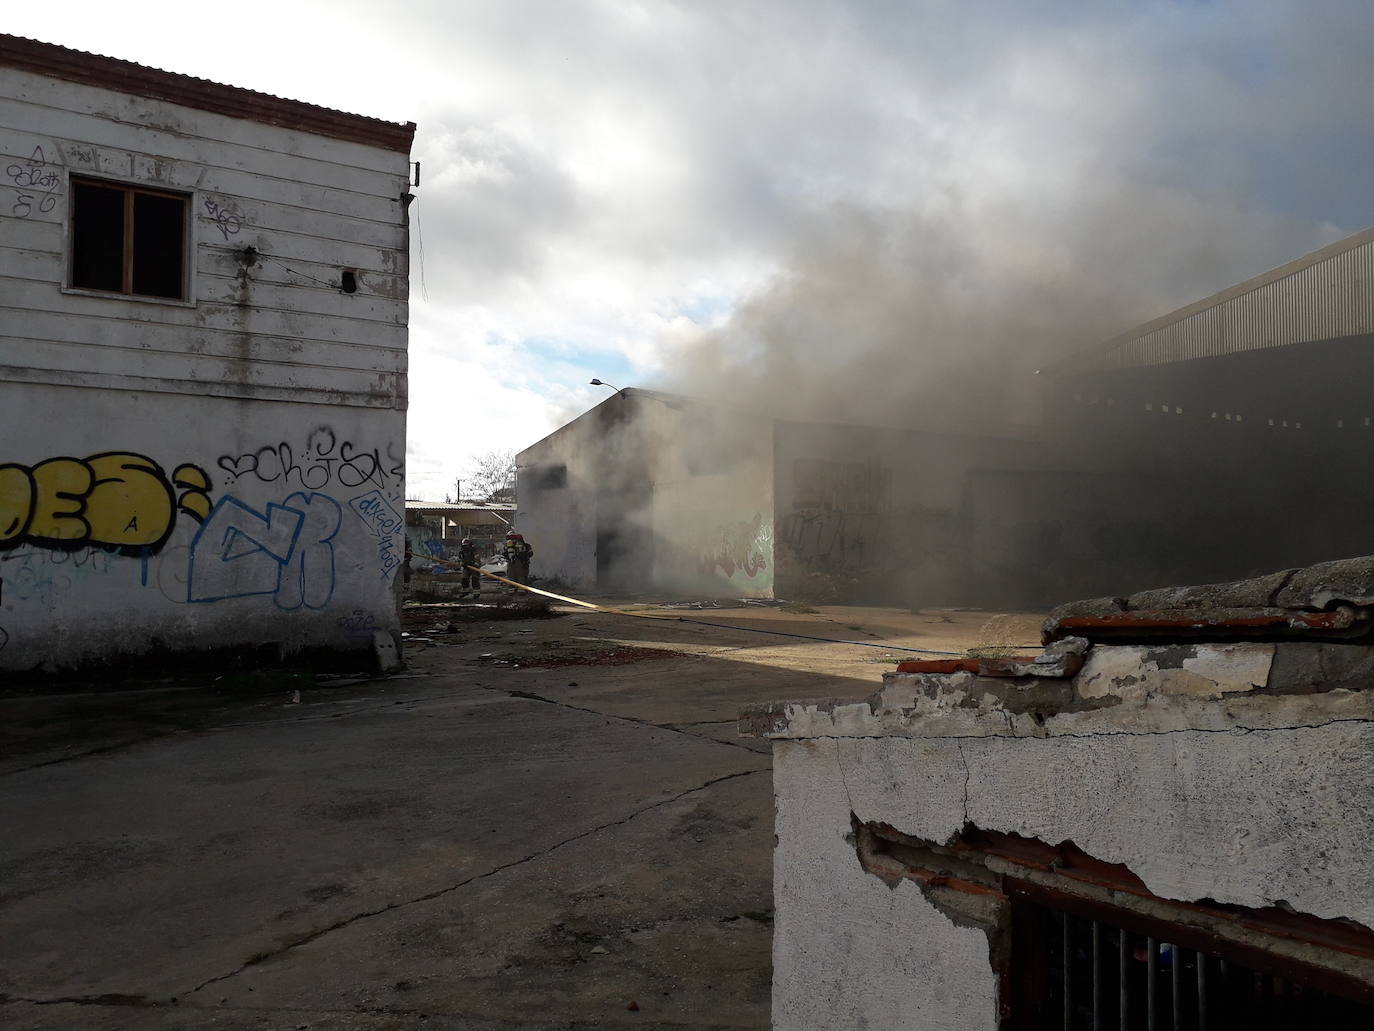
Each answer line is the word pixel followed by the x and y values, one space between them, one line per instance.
pixel 118 531
pixel 115 499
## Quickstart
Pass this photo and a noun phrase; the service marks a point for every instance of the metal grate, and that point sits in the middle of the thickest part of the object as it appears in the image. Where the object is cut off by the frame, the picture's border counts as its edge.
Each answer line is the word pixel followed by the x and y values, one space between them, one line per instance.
pixel 1077 973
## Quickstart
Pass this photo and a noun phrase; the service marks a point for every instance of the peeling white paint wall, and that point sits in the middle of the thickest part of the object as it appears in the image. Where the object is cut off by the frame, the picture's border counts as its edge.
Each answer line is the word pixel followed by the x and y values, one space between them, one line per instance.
pixel 1196 805
pixel 849 952
pixel 259 427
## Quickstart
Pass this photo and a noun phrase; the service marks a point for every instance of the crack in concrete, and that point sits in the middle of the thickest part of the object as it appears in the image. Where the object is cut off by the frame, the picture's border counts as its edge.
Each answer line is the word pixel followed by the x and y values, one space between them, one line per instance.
pixel 968 775
pixel 1273 599
pixel 89 753
pixel 116 1002
pixel 1066 734
pixel 675 728
pixel 315 935
pixel 844 781
pixel 192 731
pixel 116 999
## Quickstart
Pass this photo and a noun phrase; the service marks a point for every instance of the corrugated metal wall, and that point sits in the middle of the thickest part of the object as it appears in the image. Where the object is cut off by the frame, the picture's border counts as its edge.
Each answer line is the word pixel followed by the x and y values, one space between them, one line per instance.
pixel 1325 296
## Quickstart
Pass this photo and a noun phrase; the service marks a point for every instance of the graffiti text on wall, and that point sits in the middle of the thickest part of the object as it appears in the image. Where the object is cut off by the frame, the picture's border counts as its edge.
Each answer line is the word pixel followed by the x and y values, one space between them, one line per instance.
pixel 36 186
pixel 42 575
pixel 324 458
pixel 117 499
pixel 287 552
pixel 740 548
pixel 358 624
pixel 227 217
pixel 385 524
pixel 839 514
pixel 841 486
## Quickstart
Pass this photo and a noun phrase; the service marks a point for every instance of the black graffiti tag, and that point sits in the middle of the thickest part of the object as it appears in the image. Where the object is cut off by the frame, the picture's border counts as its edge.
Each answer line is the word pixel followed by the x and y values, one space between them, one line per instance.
pixel 228 218
pixel 322 460
pixel 37 185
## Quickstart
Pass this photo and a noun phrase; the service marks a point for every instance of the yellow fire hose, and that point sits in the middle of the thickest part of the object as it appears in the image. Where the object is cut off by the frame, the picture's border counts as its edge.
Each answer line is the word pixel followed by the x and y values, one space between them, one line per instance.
pixel 679 619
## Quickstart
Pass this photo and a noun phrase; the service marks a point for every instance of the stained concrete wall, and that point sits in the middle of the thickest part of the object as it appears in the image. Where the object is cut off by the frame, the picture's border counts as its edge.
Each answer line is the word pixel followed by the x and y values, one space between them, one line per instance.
pixel 652 492
pixel 849 952
pixel 221 471
pixel 874 514
pixel 713 506
pixel 1202 782
pixel 557 481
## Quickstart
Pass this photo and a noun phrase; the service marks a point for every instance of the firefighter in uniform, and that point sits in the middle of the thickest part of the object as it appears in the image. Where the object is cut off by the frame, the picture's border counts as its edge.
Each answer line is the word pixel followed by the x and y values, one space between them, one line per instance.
pixel 518 555
pixel 467 554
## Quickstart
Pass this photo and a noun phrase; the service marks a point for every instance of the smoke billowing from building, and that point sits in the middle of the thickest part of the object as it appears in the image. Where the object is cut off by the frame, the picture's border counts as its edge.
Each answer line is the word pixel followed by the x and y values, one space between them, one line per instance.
pixel 1105 172
pixel 939 320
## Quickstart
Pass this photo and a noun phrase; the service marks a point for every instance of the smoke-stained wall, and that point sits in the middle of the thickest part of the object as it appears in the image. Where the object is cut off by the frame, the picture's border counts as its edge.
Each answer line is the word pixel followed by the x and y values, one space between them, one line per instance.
pixel 652 492
pixel 713 506
pixel 876 514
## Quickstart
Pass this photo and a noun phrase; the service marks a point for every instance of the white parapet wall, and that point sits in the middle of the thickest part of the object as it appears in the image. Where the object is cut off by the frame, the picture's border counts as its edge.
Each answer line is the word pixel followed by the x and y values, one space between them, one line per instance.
pixel 1233 774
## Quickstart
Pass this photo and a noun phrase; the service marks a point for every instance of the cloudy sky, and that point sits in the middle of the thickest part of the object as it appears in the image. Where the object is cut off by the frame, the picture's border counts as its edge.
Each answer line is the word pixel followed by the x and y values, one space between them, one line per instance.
pixel 798 200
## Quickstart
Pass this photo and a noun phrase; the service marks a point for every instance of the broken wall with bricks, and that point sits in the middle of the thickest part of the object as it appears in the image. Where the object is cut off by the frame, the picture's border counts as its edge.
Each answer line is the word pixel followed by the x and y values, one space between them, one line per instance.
pixel 219 466
pixel 1200 757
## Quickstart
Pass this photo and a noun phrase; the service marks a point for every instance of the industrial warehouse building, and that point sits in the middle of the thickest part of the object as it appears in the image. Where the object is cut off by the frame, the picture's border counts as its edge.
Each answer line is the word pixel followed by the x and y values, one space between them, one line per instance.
pixel 202 366
pixel 1224 439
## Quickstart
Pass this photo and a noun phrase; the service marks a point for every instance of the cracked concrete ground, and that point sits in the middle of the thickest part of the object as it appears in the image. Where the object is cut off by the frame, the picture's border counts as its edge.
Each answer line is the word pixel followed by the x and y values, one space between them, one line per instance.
pixel 470 845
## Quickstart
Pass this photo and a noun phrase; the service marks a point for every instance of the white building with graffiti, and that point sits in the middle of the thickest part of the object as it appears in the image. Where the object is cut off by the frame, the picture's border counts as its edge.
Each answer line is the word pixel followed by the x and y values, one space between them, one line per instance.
pixel 202 365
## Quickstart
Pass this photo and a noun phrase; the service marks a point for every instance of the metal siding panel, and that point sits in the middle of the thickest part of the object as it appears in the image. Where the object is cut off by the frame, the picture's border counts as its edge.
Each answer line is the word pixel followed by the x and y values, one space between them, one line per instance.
pixel 1332 298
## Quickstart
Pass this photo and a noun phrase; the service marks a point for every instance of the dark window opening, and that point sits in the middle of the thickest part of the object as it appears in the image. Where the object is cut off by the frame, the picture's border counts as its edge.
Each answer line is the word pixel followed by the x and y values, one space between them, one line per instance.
pixel 1082 969
pixel 549 477
pixel 128 240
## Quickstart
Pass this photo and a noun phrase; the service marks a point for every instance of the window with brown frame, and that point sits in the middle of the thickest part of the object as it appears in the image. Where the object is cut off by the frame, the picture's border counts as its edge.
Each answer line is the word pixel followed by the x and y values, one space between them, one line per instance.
pixel 128 239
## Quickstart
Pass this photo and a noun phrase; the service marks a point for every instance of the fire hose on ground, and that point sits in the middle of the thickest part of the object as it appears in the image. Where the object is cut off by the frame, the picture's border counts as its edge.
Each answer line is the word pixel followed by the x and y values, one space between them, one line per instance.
pixel 610 610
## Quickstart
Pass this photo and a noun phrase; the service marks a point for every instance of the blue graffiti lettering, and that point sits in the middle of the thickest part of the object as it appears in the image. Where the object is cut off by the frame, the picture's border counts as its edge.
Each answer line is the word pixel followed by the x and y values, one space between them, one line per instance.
pixel 384 521
pixel 288 552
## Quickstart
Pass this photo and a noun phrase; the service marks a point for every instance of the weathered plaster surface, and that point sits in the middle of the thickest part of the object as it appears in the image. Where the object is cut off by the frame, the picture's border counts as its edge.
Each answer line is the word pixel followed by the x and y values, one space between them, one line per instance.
pixel 1251 818
pixel 848 951
pixel 1122 689
pixel 1204 671
pixel 1207 782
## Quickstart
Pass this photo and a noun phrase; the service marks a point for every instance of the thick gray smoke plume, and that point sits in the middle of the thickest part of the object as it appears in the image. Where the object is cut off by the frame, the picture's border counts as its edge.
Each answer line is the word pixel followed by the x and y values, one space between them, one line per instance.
pixel 1075 169
pixel 940 321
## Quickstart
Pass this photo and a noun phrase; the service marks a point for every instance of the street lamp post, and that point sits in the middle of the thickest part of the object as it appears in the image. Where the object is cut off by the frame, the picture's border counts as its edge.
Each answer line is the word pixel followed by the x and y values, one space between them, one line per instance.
pixel 603 383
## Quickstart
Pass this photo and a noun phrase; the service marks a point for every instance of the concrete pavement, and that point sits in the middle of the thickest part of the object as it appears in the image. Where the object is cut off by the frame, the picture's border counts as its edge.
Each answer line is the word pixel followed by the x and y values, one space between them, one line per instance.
pixel 516 834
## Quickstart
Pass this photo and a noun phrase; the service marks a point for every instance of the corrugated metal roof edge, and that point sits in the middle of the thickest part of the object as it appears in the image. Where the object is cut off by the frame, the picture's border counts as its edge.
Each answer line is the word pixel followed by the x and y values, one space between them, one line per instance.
pixel 460 506
pixel 32 55
pixel 1101 349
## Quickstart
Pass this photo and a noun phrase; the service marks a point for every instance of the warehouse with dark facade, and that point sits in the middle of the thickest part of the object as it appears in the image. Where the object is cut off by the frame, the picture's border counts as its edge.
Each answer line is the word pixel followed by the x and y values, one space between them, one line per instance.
pixel 1224 439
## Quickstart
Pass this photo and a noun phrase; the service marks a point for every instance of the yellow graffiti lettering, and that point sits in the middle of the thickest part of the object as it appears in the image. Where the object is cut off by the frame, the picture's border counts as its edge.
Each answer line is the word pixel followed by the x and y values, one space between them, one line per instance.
pixel 16 501
pixel 59 498
pixel 127 487
pixel 195 502
pixel 115 499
